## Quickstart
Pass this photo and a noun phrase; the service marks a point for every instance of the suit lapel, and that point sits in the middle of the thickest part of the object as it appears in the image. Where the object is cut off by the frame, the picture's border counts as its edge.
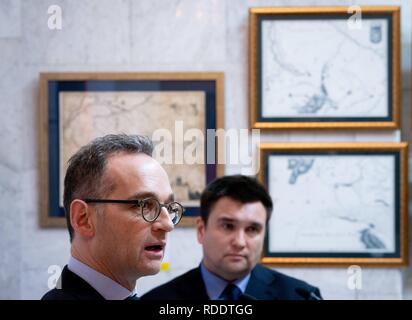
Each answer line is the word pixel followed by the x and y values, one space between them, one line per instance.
pixel 193 286
pixel 261 284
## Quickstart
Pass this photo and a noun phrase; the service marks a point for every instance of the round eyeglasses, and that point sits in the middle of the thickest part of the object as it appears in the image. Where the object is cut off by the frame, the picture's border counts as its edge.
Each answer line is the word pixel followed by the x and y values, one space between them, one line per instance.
pixel 150 208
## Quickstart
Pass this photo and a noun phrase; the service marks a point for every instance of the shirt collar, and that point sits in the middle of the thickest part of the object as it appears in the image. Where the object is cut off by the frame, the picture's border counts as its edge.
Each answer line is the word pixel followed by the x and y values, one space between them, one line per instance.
pixel 108 288
pixel 215 284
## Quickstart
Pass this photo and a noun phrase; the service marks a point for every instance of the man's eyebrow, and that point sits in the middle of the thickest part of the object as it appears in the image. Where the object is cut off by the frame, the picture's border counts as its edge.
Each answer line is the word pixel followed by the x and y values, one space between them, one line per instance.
pixel 145 194
pixel 225 219
pixel 256 225
pixel 249 223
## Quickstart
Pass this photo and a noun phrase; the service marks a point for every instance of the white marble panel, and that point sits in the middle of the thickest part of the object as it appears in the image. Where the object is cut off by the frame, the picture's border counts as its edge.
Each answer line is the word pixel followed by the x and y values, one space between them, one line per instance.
pixel 41 248
pixel 274 136
pixel 10 18
pixel 406 114
pixel 10 104
pixel 332 282
pixel 93 32
pixel 178 31
pixel 378 136
pixel 10 163
pixel 408 271
pixel 30 116
pixel 236 97
pixel 237 26
pixel 35 268
pixel 381 284
pixel 325 136
pixel 10 232
pixel 406 43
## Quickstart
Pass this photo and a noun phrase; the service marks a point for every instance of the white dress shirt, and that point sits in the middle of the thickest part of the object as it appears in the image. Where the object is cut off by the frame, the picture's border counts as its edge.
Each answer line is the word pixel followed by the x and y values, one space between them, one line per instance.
pixel 108 288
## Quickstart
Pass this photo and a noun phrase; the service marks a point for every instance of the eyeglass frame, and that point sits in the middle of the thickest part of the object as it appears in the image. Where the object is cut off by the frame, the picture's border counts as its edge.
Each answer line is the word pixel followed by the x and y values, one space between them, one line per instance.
pixel 138 203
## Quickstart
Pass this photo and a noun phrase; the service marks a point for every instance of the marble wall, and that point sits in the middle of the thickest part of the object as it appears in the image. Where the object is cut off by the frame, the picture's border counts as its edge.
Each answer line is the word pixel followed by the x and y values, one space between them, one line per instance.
pixel 144 35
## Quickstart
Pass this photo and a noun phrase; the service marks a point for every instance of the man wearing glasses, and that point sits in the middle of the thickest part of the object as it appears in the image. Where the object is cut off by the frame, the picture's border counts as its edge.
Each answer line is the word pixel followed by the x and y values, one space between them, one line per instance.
pixel 234 215
pixel 119 206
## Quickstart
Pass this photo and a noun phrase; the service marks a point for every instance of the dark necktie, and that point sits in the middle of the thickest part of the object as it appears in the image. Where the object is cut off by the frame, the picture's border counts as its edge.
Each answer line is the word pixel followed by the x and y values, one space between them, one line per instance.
pixel 231 292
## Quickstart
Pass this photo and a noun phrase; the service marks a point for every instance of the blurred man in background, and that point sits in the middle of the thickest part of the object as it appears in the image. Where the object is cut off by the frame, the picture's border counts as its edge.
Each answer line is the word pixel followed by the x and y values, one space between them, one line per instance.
pixel 234 214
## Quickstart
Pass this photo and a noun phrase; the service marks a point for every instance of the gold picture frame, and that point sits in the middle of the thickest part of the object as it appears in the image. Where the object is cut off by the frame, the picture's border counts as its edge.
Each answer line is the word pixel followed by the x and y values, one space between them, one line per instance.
pixel 68 95
pixel 304 73
pixel 336 203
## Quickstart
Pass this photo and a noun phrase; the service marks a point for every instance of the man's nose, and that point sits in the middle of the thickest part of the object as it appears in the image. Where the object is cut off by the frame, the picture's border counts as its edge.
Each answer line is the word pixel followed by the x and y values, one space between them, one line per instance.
pixel 239 239
pixel 163 222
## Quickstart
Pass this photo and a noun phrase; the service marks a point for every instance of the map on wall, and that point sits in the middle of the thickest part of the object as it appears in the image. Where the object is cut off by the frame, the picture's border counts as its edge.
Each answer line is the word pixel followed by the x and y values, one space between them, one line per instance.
pixel 332 203
pixel 87 115
pixel 316 68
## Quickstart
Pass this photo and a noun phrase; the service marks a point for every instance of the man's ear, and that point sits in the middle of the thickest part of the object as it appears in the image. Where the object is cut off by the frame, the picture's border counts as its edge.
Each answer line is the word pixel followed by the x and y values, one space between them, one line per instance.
pixel 80 218
pixel 200 229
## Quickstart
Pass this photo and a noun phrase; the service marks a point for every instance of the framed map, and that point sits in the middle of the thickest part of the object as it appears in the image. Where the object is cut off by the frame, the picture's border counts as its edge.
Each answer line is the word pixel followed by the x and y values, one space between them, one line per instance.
pixel 325 67
pixel 336 203
pixel 176 110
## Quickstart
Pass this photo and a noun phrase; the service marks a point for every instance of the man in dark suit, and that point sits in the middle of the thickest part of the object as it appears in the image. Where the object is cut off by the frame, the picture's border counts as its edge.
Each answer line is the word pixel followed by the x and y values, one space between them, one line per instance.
pixel 234 215
pixel 114 195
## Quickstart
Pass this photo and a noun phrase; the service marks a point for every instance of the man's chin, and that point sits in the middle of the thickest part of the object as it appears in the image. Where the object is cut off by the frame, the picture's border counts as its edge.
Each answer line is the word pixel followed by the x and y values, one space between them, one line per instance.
pixel 237 272
pixel 151 270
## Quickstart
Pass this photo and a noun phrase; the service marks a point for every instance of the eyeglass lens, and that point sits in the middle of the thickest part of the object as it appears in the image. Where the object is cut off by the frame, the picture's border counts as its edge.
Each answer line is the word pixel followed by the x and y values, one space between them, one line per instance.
pixel 151 210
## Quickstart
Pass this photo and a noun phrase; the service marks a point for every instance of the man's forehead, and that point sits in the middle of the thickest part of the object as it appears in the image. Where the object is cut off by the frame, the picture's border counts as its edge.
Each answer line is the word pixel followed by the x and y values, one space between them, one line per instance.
pixel 138 164
pixel 125 158
pixel 229 209
pixel 139 173
pixel 233 205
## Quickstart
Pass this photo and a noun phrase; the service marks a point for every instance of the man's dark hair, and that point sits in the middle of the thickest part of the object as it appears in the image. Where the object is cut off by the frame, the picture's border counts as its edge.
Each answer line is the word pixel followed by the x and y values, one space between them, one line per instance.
pixel 237 187
pixel 85 174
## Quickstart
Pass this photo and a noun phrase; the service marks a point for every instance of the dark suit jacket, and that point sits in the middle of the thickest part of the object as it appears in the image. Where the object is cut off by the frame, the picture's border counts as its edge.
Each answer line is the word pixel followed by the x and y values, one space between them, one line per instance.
pixel 264 284
pixel 72 288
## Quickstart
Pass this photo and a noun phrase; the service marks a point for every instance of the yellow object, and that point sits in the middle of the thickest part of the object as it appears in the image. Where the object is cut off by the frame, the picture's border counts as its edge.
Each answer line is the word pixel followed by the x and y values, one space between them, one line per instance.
pixel 165 266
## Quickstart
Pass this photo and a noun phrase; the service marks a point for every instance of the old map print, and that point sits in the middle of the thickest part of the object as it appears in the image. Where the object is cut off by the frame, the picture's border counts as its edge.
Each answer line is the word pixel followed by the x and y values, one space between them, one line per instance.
pixel 324 68
pixel 87 115
pixel 332 203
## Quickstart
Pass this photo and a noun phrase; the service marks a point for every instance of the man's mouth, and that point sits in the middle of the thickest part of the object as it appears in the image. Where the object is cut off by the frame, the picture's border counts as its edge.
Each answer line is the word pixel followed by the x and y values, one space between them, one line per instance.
pixel 235 255
pixel 155 247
